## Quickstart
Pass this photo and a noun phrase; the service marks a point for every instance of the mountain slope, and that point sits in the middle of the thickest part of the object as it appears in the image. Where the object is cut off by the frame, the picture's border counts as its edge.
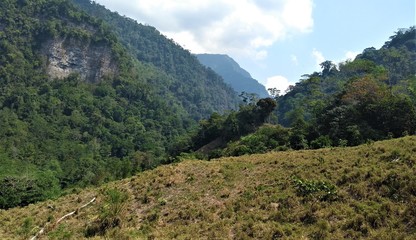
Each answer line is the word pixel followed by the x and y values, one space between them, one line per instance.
pixel 364 192
pixel 233 74
pixel 200 90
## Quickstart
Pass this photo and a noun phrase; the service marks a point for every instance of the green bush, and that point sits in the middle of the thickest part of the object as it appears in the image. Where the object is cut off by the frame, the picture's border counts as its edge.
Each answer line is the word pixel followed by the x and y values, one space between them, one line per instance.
pixel 321 142
pixel 321 190
pixel 266 138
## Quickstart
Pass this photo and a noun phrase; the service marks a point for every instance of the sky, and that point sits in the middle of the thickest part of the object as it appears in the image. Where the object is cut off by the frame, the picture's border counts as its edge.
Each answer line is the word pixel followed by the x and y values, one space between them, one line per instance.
pixel 276 41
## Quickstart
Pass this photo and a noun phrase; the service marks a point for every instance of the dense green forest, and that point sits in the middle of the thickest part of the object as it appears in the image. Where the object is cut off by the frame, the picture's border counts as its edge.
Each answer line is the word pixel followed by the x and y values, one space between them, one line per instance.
pixel 368 99
pixel 60 133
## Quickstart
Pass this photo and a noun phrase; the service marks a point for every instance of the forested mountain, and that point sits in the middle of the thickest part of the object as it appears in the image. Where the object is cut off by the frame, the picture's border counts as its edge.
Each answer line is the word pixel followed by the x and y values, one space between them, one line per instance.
pixel 233 74
pixel 393 66
pixel 200 90
pixel 80 104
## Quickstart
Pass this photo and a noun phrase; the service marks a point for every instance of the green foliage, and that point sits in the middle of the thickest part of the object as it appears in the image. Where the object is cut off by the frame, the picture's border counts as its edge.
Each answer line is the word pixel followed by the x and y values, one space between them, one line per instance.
pixel 321 142
pixel 114 205
pixel 297 137
pixel 217 130
pixel 61 233
pixel 320 190
pixel 57 134
pixel 266 138
pixel 22 190
pixel 27 227
pixel 361 116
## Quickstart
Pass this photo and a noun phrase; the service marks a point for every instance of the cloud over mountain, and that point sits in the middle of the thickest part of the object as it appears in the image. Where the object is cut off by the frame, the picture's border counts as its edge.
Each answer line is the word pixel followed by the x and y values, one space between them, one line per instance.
pixel 243 27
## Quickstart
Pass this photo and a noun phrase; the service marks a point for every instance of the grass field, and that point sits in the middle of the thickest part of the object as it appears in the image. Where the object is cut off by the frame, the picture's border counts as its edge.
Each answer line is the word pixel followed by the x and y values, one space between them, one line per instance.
pixel 364 192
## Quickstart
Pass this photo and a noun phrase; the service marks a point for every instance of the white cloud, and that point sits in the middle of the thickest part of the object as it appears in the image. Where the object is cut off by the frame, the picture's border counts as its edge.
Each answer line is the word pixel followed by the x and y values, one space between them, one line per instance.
pixel 260 55
pixel 186 40
pixel 318 56
pixel 350 55
pixel 236 27
pixel 279 82
pixel 297 14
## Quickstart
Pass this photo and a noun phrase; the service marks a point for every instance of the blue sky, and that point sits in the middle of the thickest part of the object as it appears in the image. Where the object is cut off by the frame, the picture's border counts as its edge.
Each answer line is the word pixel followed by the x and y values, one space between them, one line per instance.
pixel 277 41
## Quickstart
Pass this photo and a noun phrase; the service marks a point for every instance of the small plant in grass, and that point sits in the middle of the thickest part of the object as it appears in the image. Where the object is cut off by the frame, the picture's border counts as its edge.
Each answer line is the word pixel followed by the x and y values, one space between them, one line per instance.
pixel 322 231
pixel 321 190
pixel 26 227
pixel 162 201
pixel 60 233
pixel 321 160
pixel 111 214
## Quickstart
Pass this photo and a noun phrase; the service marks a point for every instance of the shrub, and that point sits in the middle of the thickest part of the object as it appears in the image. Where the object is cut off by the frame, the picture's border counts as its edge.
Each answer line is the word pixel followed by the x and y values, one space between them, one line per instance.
pixel 266 138
pixel 111 214
pixel 321 142
pixel 321 190
pixel 26 227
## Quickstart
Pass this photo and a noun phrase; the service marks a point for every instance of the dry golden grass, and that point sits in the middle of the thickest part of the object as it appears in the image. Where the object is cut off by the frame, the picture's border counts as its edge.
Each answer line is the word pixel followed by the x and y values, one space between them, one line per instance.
pixel 249 197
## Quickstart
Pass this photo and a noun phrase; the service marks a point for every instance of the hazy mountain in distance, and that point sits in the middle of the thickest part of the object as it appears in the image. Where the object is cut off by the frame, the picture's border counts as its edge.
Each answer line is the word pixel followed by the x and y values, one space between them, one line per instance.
pixel 233 74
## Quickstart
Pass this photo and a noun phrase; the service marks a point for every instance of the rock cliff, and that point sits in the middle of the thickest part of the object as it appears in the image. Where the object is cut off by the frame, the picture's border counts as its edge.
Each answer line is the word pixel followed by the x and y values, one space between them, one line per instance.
pixel 66 56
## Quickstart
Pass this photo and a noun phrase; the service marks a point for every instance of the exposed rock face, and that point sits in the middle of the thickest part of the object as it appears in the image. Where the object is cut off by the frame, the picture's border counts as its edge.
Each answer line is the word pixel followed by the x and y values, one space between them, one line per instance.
pixel 91 61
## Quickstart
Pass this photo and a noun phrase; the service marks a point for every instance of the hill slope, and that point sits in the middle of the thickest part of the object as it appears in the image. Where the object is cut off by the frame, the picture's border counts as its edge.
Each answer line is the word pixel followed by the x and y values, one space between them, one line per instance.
pixel 233 74
pixel 364 192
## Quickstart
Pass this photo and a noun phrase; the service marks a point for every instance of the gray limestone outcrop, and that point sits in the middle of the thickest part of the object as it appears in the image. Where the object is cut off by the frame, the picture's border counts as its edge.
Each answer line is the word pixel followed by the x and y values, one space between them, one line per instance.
pixel 67 56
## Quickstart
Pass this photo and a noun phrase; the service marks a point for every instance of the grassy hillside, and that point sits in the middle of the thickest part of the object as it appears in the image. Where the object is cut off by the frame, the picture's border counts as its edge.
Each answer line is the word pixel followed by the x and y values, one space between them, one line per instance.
pixel 364 192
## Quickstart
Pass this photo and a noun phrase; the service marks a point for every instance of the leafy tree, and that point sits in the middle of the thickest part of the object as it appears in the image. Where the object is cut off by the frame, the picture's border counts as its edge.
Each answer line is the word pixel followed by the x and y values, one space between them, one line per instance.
pixel 327 68
pixel 274 92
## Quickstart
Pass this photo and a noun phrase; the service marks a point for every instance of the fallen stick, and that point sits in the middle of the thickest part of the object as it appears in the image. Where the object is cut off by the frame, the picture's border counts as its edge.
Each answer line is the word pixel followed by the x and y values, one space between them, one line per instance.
pixel 42 230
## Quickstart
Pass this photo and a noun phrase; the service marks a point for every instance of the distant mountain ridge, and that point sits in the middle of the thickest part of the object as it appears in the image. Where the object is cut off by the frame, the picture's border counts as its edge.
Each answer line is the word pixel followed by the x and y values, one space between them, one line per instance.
pixel 233 74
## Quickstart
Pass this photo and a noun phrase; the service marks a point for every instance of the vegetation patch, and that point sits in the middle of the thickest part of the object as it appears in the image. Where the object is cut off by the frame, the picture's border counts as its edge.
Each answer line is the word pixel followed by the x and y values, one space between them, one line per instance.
pixel 319 190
